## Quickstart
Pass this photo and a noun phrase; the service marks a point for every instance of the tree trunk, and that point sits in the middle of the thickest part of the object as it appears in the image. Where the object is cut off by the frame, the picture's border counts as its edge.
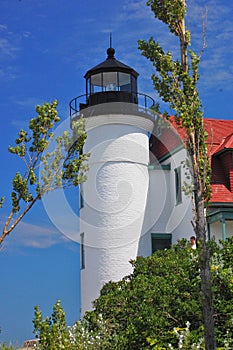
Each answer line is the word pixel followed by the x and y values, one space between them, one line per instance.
pixel 204 259
pixel 200 222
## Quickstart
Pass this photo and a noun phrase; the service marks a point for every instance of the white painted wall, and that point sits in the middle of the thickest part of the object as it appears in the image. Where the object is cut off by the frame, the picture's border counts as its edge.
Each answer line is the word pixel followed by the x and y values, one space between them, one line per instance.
pixel 179 221
pixel 162 213
pixel 115 197
pixel 124 203
pixel 216 230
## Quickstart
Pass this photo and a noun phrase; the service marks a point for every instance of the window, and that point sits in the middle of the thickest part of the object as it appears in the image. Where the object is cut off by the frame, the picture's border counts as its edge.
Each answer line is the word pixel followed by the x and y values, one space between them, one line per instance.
pixel 81 199
pixel 159 131
pixel 124 82
pixel 178 185
pixel 96 83
pixel 82 251
pixel 160 241
pixel 110 81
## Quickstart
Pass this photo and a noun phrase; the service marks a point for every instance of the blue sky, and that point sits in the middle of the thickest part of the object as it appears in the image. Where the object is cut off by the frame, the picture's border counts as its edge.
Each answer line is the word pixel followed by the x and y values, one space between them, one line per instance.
pixel 46 47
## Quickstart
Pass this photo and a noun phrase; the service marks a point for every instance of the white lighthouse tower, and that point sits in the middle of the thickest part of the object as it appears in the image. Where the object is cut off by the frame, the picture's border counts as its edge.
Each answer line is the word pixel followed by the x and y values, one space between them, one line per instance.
pixel 113 199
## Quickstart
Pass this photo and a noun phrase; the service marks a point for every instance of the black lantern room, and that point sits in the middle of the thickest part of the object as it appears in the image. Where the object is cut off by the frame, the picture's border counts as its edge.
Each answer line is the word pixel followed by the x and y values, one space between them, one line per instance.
pixel 111 81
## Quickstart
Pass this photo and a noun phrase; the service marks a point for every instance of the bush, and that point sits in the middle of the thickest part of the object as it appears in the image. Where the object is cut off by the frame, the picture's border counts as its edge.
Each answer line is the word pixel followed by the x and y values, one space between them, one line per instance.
pixel 157 307
pixel 164 292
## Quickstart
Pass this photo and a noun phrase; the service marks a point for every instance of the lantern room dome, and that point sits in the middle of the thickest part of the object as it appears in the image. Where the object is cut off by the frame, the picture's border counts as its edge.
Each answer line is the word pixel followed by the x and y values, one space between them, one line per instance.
pixel 111 64
pixel 111 81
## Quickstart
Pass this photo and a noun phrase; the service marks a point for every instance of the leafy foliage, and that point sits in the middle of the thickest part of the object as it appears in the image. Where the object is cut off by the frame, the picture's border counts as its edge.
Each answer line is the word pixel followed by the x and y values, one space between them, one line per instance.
pixel 85 338
pixel 176 82
pixel 179 89
pixel 157 307
pixel 169 12
pixel 59 160
pixel 7 347
pixel 52 331
pixel 164 292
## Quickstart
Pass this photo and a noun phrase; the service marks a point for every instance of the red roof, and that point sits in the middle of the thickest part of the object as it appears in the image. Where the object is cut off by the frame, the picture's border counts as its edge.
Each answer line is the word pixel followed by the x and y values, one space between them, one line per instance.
pixel 220 139
pixel 227 143
pixel 218 131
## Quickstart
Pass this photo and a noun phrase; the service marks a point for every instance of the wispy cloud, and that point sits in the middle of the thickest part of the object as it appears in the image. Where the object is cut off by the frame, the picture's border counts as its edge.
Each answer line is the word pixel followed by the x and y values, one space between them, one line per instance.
pixel 218 32
pixel 8 45
pixel 8 52
pixel 217 56
pixel 6 48
pixel 8 73
pixel 29 102
pixel 136 10
pixel 33 236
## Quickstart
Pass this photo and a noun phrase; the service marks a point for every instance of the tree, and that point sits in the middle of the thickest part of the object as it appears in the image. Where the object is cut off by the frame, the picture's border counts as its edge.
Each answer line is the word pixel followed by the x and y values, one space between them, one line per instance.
pixel 162 295
pixel 176 82
pixel 157 307
pixel 53 333
pixel 60 161
pixel 7 347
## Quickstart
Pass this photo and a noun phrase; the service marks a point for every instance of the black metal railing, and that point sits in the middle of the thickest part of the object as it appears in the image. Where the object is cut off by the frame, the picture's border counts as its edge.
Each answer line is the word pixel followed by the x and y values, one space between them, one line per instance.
pixel 142 102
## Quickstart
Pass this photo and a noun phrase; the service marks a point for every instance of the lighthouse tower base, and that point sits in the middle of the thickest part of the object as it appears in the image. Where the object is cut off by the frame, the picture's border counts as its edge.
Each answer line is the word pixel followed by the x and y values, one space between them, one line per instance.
pixel 115 196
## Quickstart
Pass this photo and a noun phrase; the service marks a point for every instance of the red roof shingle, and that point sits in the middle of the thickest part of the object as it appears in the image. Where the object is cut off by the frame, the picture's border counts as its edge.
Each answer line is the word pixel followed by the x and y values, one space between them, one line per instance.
pixel 220 140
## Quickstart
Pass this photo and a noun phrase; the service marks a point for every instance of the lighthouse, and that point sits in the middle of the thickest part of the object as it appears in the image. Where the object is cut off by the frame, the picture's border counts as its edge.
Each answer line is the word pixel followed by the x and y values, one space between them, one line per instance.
pixel 113 199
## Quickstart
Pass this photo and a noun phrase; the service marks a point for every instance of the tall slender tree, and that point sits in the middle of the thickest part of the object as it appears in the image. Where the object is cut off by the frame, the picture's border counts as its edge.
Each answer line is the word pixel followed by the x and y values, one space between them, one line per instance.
pixel 62 165
pixel 176 83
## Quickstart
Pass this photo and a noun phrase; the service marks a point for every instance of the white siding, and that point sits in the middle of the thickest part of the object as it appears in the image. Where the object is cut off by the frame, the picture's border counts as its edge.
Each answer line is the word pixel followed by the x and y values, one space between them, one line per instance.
pixel 115 197
pixel 162 213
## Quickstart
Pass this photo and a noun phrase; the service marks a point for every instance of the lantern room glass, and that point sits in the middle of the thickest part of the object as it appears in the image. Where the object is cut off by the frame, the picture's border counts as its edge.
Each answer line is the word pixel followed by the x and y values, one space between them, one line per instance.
pixel 125 82
pixel 111 81
pixel 95 84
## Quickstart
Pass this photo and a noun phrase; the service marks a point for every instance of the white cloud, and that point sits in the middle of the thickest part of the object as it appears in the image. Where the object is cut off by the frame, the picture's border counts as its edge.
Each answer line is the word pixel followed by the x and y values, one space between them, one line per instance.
pixel 218 31
pixel 6 48
pixel 29 102
pixel 3 27
pixel 136 10
pixel 26 35
pixel 8 73
pixel 8 52
pixel 32 236
pixel 8 43
pixel 10 47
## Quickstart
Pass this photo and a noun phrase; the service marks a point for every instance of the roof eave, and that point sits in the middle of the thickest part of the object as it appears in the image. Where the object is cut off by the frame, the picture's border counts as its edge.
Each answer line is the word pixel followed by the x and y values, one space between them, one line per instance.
pixel 222 151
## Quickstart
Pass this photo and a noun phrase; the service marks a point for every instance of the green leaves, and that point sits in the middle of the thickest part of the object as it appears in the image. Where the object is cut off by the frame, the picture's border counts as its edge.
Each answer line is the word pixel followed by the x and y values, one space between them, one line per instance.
pixel 158 306
pixel 20 191
pixel 176 83
pixel 47 117
pixel 75 165
pixel 21 144
pixel 169 12
pixel 2 199
pixel 153 299
pixel 65 164
pixel 60 161
pixel 52 331
pixel 164 293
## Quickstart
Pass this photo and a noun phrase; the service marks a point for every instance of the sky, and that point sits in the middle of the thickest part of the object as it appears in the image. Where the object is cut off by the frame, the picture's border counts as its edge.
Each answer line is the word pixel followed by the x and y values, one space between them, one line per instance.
pixel 46 47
